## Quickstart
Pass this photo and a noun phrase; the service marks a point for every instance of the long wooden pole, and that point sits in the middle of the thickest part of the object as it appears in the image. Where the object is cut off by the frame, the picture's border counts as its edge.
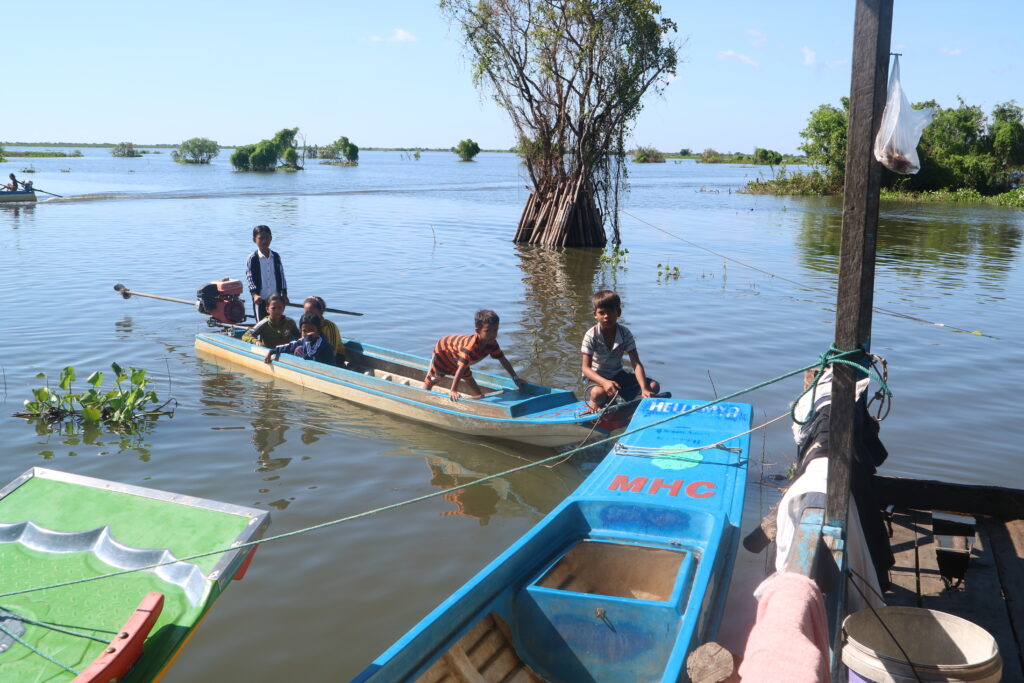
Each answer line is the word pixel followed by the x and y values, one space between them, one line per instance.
pixel 871 37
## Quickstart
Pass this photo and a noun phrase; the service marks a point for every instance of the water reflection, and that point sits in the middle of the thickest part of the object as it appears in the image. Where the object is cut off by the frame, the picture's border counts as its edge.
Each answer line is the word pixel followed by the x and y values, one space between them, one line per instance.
pixel 558 284
pixel 920 240
pixel 273 408
pixel 93 435
pixel 18 214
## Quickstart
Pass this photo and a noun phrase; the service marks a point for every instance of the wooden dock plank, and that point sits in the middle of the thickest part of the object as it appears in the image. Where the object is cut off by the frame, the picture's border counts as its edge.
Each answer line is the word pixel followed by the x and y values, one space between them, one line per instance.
pixel 1007 543
pixel 980 598
pixel 903 575
pixel 929 580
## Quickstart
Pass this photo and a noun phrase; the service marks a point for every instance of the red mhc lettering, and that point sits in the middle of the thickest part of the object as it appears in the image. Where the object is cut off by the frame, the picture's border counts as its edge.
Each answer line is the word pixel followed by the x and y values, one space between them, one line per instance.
pixel 622 483
pixel 696 489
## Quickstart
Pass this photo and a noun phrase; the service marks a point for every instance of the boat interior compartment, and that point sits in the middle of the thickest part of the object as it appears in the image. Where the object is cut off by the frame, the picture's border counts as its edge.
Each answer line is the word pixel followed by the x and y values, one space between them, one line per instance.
pixel 618 570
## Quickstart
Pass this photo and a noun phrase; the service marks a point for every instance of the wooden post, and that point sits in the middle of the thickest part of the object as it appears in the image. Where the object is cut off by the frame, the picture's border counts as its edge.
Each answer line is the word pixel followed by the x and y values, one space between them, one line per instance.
pixel 871 34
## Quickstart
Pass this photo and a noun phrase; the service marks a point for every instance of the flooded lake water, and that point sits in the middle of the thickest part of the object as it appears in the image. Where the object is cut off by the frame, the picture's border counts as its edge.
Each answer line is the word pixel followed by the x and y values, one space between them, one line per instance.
pixel 418 246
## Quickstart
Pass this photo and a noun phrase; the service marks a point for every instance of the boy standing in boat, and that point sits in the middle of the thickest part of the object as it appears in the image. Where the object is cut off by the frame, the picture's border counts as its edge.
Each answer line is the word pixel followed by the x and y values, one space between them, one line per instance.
pixel 263 272
pixel 275 329
pixel 455 353
pixel 603 347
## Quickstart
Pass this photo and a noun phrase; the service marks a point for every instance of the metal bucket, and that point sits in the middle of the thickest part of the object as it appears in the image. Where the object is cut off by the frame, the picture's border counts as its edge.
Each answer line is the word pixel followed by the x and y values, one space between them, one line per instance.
pixel 940 647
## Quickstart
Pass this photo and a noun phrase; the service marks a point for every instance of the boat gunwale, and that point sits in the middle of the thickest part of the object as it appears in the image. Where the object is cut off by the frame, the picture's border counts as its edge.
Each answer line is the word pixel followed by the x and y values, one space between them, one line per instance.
pixel 229 561
pixel 310 368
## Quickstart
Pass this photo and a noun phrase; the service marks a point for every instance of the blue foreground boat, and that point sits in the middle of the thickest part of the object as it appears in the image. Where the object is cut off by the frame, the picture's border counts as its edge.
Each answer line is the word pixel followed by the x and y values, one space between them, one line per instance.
pixel 618 583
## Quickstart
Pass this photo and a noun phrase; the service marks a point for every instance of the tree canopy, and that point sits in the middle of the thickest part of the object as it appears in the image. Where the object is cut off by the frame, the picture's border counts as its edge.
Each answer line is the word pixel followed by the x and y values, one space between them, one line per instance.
pixel 266 154
pixel 466 149
pixel 125 149
pixel 196 151
pixel 571 74
pixel 960 149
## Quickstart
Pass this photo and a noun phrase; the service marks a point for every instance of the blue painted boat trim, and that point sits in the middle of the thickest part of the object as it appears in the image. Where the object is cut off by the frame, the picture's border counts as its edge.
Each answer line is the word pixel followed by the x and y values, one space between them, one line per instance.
pixel 644 496
pixel 568 413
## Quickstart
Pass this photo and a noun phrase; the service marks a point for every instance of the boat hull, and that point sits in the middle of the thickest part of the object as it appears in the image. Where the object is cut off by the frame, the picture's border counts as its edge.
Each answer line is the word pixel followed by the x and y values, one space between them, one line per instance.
pixel 56 527
pixel 534 415
pixel 619 582
pixel 19 196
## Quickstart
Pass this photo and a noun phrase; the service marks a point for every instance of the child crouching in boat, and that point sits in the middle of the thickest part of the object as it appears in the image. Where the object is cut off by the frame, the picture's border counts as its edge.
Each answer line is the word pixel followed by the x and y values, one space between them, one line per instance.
pixel 312 345
pixel 275 329
pixel 603 347
pixel 455 353
pixel 317 306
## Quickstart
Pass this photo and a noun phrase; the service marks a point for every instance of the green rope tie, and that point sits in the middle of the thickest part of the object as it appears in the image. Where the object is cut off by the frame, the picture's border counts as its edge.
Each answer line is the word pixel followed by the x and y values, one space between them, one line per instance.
pixel 52 626
pixel 42 654
pixel 832 356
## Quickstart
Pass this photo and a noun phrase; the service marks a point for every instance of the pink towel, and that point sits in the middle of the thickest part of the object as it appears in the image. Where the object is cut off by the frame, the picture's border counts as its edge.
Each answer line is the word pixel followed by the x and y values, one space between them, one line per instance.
pixel 789 642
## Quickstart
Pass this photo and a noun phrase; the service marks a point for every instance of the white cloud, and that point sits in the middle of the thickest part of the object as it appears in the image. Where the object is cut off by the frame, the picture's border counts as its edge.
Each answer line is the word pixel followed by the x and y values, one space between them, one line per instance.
pixel 757 37
pixel 400 35
pixel 732 54
pixel 810 57
pixel 950 51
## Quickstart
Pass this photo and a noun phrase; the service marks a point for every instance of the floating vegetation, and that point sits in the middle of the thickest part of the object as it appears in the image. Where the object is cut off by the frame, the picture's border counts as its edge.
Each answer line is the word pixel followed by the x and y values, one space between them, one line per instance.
pixel 615 257
pixel 124 408
pixel 65 170
pixel 667 272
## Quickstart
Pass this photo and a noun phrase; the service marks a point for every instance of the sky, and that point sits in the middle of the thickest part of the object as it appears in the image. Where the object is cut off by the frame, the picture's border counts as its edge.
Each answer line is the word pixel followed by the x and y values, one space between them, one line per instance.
pixel 395 74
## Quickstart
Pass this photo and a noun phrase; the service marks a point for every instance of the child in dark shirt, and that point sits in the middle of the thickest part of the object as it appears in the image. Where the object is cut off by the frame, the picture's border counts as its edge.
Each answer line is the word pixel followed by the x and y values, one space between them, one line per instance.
pixel 275 329
pixel 311 345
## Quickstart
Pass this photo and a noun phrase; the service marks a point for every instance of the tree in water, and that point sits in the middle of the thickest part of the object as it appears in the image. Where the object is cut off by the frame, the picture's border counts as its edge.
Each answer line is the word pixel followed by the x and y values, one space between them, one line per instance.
pixel 196 151
pixel 466 149
pixel 571 74
pixel 265 154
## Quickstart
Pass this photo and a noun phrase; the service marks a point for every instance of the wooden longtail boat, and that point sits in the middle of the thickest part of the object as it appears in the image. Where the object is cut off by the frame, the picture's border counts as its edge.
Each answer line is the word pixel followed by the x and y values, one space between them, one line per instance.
pixel 18 196
pixel 57 527
pixel 618 583
pixel 392 381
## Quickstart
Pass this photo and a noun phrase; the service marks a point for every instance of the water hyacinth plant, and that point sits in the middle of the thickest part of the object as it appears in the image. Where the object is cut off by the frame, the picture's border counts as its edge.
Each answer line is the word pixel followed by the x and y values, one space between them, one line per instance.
pixel 122 408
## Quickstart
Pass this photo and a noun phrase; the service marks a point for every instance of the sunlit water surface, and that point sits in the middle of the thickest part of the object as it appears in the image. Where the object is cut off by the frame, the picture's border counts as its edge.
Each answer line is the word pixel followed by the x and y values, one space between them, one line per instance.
pixel 418 246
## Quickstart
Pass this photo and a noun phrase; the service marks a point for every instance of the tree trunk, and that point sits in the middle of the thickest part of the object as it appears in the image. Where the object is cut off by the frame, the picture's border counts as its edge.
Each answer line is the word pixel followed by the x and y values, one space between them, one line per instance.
pixel 562 213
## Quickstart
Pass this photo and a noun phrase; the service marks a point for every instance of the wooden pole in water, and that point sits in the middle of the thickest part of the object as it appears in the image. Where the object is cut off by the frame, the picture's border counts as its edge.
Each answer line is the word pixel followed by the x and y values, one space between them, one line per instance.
pixel 872 30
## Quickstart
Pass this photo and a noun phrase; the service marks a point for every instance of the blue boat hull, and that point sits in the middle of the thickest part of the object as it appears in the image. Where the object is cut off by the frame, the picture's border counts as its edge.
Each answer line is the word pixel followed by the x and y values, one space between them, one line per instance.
pixel 618 583
pixel 391 381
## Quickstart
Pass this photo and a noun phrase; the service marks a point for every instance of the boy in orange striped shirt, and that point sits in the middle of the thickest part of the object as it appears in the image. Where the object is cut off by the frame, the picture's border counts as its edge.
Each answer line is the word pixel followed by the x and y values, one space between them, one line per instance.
pixel 455 353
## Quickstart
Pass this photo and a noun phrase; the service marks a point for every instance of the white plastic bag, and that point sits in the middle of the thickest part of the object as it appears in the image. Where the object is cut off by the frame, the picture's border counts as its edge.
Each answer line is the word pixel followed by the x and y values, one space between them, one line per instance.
pixel 900 131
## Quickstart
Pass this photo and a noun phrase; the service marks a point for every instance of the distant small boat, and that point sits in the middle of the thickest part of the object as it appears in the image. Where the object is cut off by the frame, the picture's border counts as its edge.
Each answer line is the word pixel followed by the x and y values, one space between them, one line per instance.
pixel 18 196
pixel 392 381
pixel 618 583
pixel 57 527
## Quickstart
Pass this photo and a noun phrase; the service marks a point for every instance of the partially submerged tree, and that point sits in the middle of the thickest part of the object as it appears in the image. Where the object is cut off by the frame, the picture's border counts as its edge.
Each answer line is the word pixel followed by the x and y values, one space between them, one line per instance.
pixel 648 155
pixel 265 154
pixel 466 149
pixel 125 149
pixel 571 74
pixel 346 149
pixel 196 151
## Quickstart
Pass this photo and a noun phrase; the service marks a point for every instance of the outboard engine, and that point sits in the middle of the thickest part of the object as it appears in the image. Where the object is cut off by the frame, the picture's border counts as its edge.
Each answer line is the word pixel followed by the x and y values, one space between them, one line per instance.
pixel 220 300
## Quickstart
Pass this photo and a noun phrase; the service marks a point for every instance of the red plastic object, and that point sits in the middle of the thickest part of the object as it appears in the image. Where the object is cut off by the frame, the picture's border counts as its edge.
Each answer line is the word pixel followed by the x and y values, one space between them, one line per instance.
pixel 126 647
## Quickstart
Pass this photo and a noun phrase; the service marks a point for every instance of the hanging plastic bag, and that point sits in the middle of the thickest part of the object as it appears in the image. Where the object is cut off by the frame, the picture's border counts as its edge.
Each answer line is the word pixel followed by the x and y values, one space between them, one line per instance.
pixel 900 131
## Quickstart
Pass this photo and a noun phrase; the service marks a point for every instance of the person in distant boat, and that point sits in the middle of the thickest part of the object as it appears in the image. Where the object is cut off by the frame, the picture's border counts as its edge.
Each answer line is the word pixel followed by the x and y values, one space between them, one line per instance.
pixel 311 345
pixel 275 329
pixel 317 306
pixel 603 347
pixel 263 272
pixel 455 353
